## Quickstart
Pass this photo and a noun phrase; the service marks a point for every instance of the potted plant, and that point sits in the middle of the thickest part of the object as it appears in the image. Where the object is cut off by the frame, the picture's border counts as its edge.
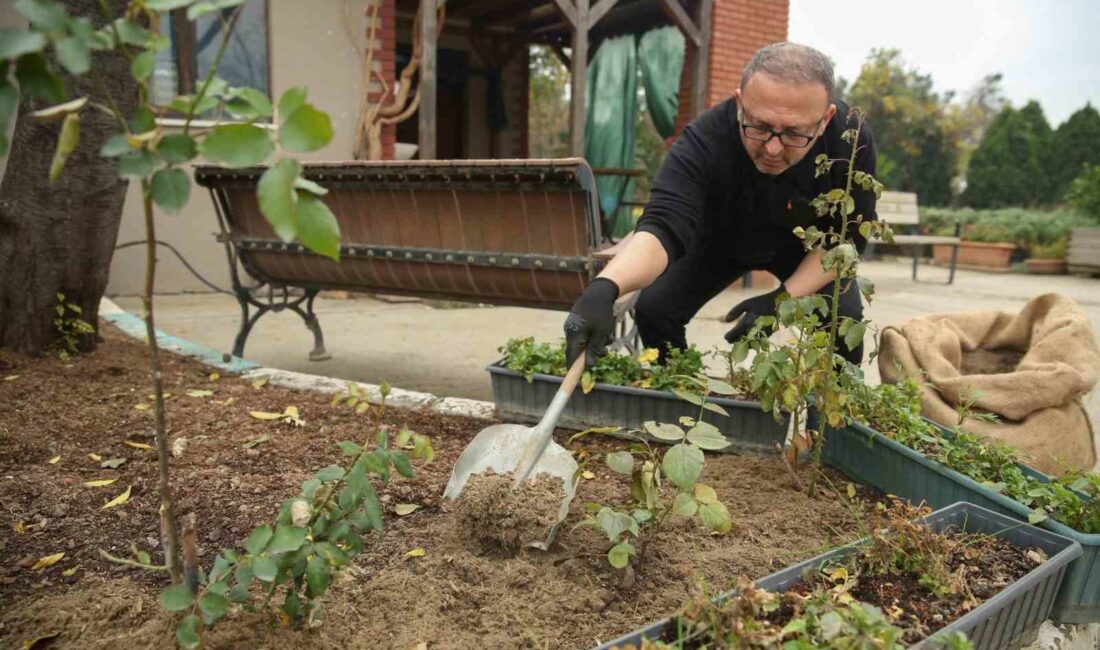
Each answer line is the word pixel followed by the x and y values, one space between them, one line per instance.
pixel 1048 259
pixel 986 245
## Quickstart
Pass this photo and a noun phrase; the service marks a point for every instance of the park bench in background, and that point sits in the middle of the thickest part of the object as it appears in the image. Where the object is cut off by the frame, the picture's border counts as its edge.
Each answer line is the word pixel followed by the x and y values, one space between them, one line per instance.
pixel 899 209
pixel 503 232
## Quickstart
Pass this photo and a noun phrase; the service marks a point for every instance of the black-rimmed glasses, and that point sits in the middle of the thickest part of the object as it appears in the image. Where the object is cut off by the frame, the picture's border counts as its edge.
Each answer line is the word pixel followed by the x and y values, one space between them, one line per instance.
pixel 764 134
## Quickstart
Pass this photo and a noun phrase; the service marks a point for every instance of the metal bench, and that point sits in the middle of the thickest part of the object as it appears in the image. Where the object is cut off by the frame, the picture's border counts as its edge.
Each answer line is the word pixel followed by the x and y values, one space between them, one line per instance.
pixel 900 209
pixel 503 232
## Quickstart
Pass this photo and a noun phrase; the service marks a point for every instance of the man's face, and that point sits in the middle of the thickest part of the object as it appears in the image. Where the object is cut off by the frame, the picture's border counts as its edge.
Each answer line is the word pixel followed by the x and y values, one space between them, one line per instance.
pixel 769 103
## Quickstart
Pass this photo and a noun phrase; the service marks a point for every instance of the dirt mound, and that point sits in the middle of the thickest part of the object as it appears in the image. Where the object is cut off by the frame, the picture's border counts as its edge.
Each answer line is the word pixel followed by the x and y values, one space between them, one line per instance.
pixel 504 519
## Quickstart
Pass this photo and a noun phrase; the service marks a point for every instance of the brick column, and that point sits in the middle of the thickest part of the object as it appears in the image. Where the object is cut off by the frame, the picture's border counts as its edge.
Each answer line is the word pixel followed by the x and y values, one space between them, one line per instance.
pixel 384 59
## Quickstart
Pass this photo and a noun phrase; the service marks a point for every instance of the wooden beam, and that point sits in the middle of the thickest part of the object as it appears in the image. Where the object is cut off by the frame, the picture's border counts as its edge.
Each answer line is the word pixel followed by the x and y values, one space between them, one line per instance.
pixel 700 74
pixel 571 12
pixel 579 72
pixel 680 18
pixel 599 11
pixel 428 46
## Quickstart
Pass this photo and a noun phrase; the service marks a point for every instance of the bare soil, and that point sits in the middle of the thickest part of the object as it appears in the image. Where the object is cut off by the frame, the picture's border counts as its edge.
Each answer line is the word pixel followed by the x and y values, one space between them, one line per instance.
pixel 504 519
pixel 453 596
pixel 990 362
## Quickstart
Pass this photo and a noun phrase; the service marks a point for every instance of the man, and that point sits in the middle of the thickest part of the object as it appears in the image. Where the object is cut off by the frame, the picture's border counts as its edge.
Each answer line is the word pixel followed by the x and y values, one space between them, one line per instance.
pixel 726 200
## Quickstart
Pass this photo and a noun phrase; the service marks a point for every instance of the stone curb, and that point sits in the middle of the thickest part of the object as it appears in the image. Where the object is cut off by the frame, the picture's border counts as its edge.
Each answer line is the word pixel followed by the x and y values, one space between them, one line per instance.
pixel 135 327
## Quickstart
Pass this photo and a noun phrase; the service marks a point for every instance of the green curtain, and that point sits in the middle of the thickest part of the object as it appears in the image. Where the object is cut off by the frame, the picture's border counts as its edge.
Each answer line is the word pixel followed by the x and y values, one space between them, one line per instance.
pixel 611 112
pixel 661 58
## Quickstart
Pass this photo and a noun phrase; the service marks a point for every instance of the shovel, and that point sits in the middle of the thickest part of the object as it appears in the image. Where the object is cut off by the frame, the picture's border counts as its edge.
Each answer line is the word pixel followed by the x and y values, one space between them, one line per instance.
pixel 524 451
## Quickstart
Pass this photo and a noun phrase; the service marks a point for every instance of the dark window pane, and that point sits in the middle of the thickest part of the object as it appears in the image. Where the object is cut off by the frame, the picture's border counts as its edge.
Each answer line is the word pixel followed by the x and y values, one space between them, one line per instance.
pixel 245 60
pixel 165 82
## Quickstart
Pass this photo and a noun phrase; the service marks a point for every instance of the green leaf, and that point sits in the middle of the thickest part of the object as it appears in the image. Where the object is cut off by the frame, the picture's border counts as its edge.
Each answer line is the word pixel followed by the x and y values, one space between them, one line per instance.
pixel 720 387
pixel 143 120
pixel 177 148
pixel 237 145
pixel 142 65
pixel 401 464
pixel 213 607
pixel 239 594
pixel 187 632
pixel 15 42
pixel 265 569
pixel 309 186
pixel 291 100
pixel 249 103
pixel 669 432
pixel 619 555
pixel 35 79
pixel 682 465
pixel 176 598
pixel 258 539
pixel 621 462
pixel 306 129
pixel 171 189
pixel 853 338
pixel 715 516
pixel 317 576
pixel 794 626
pixel 278 199
pixel 330 473
pixel 1036 516
pixel 206 6
pixel 613 523
pixel 66 143
pixel 711 406
pixel 687 396
pixel 641 515
pixel 45 15
pixel 684 505
pixel 138 163
pixel 705 494
pixel 707 436
pixel 286 539
pixel 317 227
pixel 73 53
pixel 292 605
pixel 166 5
pixel 115 146
pixel 349 448
pixel 332 553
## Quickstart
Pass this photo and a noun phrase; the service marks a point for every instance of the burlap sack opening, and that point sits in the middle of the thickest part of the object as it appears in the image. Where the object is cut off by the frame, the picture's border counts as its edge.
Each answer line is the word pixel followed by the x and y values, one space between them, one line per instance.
pixel 1031 369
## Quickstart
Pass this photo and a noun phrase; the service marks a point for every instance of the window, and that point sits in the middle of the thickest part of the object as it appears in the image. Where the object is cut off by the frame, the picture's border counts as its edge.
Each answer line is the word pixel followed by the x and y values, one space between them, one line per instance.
pixel 180 69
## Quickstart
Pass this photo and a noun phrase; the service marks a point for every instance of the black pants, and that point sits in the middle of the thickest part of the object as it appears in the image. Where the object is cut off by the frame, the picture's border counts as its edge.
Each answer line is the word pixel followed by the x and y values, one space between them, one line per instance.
pixel 665 307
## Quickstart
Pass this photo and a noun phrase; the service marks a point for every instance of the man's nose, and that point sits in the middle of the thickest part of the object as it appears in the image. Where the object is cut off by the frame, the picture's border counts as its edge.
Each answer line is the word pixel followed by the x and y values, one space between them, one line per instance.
pixel 773 147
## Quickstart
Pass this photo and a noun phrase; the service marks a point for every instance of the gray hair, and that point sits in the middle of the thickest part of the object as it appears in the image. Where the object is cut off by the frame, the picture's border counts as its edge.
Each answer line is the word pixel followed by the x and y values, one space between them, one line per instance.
pixel 792 63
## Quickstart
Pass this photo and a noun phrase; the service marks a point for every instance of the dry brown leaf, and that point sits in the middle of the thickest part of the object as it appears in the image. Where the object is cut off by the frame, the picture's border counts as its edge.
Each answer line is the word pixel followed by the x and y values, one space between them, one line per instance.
pixel 47 561
pixel 588 474
pixel 119 500
pixel 143 406
pixel 214 376
pixel 259 383
pixel 416 552
pixel 265 415
pixel 101 482
pixel 68 573
pixel 137 445
pixel 95 457
pixel 403 509
pixel 29 644
pixel 55 460
pixel 11 377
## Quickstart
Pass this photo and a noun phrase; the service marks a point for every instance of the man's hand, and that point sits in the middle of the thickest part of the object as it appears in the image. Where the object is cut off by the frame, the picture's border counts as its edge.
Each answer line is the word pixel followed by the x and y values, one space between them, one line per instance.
pixel 591 321
pixel 750 310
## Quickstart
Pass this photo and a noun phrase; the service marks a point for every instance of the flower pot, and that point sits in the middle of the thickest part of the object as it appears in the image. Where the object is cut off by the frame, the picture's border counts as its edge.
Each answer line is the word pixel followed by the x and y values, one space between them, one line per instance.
pixel 1003 621
pixel 871 458
pixel 976 255
pixel 1039 266
pixel 748 428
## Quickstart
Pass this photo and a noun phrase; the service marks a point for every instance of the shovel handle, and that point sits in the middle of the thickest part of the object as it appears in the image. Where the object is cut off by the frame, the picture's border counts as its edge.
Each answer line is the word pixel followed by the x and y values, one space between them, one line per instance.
pixel 573 377
pixel 544 430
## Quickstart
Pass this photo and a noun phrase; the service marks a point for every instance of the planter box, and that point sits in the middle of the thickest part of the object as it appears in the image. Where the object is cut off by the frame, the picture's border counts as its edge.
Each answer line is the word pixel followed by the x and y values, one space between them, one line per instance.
pixel 979 255
pixel 874 459
pixel 748 428
pixel 1006 620
pixel 1046 266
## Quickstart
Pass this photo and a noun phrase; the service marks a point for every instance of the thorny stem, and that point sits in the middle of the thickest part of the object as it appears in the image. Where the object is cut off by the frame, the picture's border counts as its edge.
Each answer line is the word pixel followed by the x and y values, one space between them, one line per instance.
pixel 213 68
pixel 169 532
pixel 134 563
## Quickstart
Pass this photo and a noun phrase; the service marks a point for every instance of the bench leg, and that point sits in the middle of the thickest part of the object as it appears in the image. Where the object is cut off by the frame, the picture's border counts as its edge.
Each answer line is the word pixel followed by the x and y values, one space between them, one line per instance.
pixel 954 258
pixel 626 328
pixel 318 353
pixel 916 260
pixel 246 298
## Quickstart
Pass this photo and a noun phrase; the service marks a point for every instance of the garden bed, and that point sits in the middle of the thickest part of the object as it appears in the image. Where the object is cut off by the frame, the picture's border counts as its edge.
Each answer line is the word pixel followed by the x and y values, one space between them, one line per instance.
pixel 454 595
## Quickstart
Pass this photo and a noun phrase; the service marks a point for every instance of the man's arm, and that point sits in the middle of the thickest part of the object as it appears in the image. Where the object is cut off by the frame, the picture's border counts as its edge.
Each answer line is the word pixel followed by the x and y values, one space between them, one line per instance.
pixel 810 276
pixel 640 263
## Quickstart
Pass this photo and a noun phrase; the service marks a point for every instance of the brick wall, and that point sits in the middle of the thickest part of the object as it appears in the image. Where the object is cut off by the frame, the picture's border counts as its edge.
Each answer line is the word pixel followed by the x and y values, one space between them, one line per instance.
pixel 384 59
pixel 738 29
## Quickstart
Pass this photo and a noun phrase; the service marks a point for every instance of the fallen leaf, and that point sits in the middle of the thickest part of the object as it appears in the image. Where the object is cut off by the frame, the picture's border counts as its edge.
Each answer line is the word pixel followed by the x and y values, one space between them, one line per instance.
pixel 199 393
pixel 896 612
pixel 265 415
pixel 153 396
pixel 101 482
pixel 12 377
pixel 416 552
pixel 252 443
pixel 214 376
pixel 227 402
pixel 588 474
pixel 68 573
pixel 31 643
pixel 55 460
pixel 137 445
pixel 839 574
pixel 403 509
pixel 143 406
pixel 47 561
pixel 119 500
pixel 112 463
pixel 259 383
pixel 291 411
pixel 18 527
pixel 95 457
pixel 1035 556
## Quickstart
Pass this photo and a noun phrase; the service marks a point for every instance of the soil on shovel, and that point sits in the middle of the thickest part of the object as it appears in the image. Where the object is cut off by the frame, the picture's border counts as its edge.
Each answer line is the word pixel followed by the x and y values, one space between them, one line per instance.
pixel 63 425
pixel 504 519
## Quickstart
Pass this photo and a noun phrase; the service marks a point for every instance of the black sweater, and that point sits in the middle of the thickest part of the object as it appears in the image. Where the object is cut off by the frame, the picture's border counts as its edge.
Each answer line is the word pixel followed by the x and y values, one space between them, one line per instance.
pixel 709 199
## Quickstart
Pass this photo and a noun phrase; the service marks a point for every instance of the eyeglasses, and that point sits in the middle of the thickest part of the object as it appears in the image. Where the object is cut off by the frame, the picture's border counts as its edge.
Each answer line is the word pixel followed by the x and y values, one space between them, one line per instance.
pixel 764 134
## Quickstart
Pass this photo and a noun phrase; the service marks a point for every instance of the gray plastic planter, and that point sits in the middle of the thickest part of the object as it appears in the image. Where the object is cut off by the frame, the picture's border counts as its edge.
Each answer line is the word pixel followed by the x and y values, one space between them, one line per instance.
pixel 874 459
pixel 1007 620
pixel 748 428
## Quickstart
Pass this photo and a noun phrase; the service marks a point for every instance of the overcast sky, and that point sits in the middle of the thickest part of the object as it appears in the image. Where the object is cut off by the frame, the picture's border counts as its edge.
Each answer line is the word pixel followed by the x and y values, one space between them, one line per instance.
pixel 1047 50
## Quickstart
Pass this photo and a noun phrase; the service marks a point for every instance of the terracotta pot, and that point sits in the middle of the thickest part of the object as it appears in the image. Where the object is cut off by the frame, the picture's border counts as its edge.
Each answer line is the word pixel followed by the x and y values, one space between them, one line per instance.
pixel 1038 266
pixel 981 255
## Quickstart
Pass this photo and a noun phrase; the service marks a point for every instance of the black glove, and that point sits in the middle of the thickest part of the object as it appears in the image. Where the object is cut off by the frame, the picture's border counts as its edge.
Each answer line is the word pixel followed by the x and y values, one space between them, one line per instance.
pixel 749 310
pixel 591 321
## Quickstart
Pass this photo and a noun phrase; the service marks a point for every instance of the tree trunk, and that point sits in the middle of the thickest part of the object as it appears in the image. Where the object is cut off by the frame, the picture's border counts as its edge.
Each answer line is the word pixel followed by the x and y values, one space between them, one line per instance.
pixel 59 237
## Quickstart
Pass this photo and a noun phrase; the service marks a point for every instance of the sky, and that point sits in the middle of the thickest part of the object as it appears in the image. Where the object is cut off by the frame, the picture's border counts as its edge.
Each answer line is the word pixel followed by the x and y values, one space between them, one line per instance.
pixel 1047 50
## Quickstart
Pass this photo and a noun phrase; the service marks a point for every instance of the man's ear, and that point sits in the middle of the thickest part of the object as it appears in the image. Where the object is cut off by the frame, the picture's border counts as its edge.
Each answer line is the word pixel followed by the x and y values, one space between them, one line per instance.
pixel 829 113
pixel 737 96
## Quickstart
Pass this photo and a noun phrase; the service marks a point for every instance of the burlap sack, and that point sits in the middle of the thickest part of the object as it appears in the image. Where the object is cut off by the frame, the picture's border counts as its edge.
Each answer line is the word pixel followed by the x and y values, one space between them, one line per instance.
pixel 1038 401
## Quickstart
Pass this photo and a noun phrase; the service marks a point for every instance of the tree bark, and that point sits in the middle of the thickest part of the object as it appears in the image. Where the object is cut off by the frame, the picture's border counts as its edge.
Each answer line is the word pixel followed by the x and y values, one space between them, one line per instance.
pixel 59 237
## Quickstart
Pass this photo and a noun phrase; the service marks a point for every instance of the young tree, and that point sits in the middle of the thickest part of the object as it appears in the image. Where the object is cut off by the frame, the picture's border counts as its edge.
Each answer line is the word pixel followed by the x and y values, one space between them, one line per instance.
pixel 57 237
pixel 1072 146
pixel 1042 187
pixel 1003 169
